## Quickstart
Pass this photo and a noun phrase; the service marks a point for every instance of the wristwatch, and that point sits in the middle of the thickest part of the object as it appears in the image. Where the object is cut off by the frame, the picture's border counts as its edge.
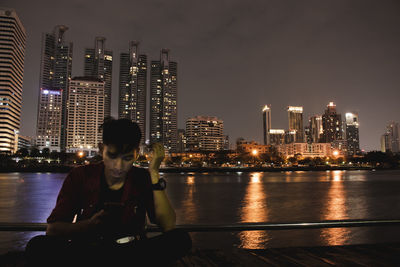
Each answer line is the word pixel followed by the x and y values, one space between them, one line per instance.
pixel 160 185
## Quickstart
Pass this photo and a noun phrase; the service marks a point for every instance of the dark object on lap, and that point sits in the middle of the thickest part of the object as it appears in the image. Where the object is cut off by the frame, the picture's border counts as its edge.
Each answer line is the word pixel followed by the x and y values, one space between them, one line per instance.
pixel 163 249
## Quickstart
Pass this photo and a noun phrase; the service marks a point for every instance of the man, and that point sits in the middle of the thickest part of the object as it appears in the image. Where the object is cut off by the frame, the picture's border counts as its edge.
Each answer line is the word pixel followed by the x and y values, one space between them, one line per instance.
pixel 100 214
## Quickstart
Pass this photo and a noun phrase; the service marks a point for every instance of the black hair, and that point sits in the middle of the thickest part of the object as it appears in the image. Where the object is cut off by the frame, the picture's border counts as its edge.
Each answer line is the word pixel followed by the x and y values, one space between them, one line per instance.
pixel 124 134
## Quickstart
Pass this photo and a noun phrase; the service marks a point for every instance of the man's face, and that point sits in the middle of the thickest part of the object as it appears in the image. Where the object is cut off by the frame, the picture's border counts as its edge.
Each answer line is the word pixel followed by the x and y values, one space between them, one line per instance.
pixel 117 165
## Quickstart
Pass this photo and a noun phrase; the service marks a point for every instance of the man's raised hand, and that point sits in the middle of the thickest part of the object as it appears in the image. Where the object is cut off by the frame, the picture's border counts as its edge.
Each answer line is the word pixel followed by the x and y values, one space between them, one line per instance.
pixel 156 159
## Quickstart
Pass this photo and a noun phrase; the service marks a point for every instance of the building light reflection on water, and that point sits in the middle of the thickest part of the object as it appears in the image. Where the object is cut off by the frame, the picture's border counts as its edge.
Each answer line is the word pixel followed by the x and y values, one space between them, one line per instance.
pixel 254 209
pixel 291 176
pixel 255 178
pixel 335 206
pixel 189 209
pixel 337 175
pixel 190 180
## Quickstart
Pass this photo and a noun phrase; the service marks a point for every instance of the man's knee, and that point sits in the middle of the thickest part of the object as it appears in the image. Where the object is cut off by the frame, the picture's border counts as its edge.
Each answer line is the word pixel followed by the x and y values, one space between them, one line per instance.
pixel 45 245
pixel 36 243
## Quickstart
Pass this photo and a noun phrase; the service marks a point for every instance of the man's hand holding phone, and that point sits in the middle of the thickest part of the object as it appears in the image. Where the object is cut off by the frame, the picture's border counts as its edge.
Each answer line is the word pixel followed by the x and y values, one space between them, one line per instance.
pixel 101 219
pixel 113 209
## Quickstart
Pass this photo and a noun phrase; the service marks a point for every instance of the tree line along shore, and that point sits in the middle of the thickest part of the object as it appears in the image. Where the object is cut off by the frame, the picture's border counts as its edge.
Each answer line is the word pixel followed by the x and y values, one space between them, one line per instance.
pixel 212 162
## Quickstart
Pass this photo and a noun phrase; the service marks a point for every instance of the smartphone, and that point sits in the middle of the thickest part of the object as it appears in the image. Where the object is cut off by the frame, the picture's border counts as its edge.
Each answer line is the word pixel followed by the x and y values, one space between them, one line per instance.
pixel 113 208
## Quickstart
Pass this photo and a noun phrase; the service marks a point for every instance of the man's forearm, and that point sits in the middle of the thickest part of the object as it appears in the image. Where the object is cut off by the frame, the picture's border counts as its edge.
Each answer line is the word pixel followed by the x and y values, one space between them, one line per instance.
pixel 165 214
pixel 68 229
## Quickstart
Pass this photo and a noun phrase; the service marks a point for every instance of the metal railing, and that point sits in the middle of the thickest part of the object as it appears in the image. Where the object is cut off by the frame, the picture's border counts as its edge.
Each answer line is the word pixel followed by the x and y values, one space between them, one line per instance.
pixel 21 227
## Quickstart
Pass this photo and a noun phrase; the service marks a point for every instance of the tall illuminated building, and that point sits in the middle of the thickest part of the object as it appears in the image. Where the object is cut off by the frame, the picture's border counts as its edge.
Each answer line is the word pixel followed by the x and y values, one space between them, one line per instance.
pixel 48 128
pixel 55 75
pixel 316 129
pixel 266 124
pixel 86 105
pixel 295 115
pixel 163 101
pixel 394 132
pixel 390 141
pixel 385 142
pixel 98 65
pixel 307 134
pixel 352 134
pixel 291 137
pixel 132 87
pixel 181 146
pixel 12 50
pixel 332 124
pixel 205 133
pixel 277 136
pixel 226 142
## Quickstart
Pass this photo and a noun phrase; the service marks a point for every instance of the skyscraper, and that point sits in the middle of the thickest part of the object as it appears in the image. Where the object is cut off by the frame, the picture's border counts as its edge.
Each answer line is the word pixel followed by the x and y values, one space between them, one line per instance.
pixel 49 120
pixel 163 102
pixel 85 114
pixel 181 146
pixel 205 133
pixel 98 65
pixel 291 137
pixel 295 115
pixel 12 50
pixel 331 124
pixel 307 134
pixel 55 75
pixel 316 129
pixel 390 141
pixel 267 124
pixel 385 142
pixel 352 134
pixel 277 136
pixel 132 87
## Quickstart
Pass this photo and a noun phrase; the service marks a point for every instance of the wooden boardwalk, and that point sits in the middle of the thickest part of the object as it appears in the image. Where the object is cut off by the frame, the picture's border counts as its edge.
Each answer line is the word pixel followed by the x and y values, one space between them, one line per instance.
pixel 352 255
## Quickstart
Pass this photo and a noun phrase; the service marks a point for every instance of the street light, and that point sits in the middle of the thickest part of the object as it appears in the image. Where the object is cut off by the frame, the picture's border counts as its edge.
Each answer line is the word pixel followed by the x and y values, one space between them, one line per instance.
pixel 254 152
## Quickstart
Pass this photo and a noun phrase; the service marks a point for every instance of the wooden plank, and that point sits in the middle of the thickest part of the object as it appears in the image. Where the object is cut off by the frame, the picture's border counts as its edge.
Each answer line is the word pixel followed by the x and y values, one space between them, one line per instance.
pixel 353 255
pixel 319 257
pixel 283 256
pixel 242 257
pixel 329 254
pixel 218 257
pixel 314 259
pixel 196 258
pixel 305 257
pixel 376 255
pixel 363 259
pixel 273 258
pixel 268 261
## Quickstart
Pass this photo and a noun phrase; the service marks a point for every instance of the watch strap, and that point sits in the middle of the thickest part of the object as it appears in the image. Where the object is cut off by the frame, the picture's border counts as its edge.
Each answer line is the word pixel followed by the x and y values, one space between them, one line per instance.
pixel 160 185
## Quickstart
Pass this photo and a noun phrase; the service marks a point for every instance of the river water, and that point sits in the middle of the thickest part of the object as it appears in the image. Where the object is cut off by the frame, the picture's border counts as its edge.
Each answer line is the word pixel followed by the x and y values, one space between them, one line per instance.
pixel 226 198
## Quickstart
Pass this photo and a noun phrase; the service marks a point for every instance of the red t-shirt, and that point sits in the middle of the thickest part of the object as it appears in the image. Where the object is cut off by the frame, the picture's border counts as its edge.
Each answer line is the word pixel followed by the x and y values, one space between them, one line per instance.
pixel 80 195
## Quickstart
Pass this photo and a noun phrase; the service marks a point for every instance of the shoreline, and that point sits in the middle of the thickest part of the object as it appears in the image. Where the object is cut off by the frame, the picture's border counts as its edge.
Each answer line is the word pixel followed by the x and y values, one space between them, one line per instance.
pixel 259 169
pixel 66 169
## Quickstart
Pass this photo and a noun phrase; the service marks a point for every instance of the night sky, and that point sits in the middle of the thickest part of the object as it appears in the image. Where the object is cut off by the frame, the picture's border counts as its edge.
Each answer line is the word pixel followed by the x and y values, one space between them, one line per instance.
pixel 236 56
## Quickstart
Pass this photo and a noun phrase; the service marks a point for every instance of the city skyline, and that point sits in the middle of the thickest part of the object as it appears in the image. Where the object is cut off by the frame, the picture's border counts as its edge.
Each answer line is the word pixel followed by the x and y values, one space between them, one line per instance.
pixel 306 59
